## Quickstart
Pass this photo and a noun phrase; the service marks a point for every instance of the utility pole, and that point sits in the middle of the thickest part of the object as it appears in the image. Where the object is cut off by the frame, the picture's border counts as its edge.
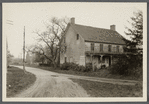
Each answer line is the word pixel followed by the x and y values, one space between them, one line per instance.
pixel 24 50
pixel 9 22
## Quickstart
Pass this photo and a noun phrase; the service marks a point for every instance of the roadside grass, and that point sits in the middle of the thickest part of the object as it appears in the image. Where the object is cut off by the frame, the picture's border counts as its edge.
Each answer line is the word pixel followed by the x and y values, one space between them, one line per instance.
pixel 98 89
pixel 17 80
pixel 102 73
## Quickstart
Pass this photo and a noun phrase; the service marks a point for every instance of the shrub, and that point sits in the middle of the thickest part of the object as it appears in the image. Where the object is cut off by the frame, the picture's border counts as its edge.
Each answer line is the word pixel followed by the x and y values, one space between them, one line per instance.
pixel 75 67
pixel 88 67
pixel 120 67
pixel 127 65
pixel 65 66
pixel 95 68
pixel 82 68
pixel 103 66
pixel 44 64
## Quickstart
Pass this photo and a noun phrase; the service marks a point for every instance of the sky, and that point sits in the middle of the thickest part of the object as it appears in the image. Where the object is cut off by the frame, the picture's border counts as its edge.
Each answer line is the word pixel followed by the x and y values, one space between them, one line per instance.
pixel 34 16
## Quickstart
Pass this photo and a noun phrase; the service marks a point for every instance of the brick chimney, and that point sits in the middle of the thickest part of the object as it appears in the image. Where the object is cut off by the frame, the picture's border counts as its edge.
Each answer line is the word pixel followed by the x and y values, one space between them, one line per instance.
pixel 72 20
pixel 112 27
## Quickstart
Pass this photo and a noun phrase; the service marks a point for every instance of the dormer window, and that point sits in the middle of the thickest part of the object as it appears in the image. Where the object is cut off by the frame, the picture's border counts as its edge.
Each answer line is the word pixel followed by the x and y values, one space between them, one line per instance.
pixel 77 36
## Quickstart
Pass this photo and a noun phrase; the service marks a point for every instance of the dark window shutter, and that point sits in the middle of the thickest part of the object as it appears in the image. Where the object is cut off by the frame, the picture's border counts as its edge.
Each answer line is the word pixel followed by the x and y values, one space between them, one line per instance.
pixel 109 47
pixel 101 47
pixel 92 46
pixel 117 48
pixel 77 36
pixel 65 48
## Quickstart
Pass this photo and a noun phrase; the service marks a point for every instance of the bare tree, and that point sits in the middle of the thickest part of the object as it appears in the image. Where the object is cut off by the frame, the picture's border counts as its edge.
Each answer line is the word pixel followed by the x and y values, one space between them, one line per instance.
pixel 52 39
pixel 9 58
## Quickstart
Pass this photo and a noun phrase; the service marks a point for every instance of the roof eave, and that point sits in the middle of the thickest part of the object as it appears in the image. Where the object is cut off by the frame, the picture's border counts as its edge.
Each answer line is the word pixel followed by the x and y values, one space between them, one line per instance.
pixel 105 42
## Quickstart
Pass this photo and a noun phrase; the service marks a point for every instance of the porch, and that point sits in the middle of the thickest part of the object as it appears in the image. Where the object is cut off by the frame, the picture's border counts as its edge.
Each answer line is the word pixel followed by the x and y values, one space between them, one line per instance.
pixel 99 60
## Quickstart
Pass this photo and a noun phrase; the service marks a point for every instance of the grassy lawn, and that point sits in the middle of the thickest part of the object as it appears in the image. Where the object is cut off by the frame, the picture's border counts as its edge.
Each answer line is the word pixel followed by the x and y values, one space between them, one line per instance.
pixel 102 73
pixel 17 80
pixel 98 89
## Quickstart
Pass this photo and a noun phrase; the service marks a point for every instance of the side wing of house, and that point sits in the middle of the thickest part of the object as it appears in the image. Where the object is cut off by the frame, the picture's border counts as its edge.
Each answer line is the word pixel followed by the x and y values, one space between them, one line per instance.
pixel 73 48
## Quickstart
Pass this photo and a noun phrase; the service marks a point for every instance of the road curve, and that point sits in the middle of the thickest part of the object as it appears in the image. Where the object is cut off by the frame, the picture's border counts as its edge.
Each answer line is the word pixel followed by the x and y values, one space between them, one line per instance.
pixel 50 84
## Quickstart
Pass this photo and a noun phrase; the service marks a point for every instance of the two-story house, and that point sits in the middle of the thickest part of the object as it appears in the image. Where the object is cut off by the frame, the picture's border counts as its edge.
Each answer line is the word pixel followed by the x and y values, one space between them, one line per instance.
pixel 85 44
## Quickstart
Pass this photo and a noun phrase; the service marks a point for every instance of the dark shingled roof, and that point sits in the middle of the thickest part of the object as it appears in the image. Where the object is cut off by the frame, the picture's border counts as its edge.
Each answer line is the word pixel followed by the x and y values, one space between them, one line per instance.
pixel 98 34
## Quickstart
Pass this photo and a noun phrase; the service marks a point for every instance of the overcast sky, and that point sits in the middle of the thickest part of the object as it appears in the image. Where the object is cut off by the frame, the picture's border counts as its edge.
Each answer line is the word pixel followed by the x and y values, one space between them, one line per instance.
pixel 34 15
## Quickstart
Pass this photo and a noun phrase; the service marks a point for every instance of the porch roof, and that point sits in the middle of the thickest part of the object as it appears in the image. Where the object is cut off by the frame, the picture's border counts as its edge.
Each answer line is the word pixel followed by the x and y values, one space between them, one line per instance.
pixel 107 53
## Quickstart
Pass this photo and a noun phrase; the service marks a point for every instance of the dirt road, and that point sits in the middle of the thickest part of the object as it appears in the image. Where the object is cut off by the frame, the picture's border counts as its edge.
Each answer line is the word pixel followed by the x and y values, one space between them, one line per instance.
pixel 49 84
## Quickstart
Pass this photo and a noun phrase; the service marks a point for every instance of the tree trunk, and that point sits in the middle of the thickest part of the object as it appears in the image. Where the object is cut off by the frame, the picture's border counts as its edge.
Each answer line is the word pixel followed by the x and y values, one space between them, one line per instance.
pixel 54 64
pixel 58 59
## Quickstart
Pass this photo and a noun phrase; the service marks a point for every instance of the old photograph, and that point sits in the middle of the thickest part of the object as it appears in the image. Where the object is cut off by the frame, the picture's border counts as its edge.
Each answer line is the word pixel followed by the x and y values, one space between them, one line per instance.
pixel 74 51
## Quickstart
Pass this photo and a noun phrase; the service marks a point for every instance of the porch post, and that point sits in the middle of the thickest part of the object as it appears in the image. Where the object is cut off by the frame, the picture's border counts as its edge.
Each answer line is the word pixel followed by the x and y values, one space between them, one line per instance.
pixel 92 61
pixel 101 59
pixel 111 59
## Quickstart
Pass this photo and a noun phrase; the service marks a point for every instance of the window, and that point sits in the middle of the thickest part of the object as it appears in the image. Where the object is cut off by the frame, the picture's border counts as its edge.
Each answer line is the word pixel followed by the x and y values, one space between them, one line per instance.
pixel 117 48
pixel 101 47
pixel 109 48
pixel 65 48
pixel 92 46
pixel 77 36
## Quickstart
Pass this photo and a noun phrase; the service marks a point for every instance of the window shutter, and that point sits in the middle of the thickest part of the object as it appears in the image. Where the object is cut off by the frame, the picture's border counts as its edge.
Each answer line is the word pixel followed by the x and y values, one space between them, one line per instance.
pixel 117 48
pixel 77 36
pixel 101 47
pixel 109 46
pixel 65 48
pixel 92 46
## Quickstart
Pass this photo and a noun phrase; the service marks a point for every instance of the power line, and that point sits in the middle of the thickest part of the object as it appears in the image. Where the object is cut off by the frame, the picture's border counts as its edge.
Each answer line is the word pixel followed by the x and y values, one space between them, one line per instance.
pixel 9 23
pixel 9 20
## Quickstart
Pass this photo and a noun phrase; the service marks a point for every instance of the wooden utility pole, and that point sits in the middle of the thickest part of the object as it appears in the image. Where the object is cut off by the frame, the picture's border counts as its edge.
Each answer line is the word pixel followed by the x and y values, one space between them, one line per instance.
pixel 7 53
pixel 9 22
pixel 24 50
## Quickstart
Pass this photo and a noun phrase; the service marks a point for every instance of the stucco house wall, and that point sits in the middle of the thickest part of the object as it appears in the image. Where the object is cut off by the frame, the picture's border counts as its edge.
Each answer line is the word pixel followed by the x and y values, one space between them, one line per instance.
pixel 75 48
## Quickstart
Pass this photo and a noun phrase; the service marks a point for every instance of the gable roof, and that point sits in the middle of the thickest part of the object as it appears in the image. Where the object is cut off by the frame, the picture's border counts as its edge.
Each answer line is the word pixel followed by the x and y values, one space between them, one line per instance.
pixel 98 34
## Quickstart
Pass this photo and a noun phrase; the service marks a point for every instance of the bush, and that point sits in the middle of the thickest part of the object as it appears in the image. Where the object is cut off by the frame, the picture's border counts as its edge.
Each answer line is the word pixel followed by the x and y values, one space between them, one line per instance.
pixel 127 65
pixel 103 66
pixel 95 68
pixel 88 67
pixel 82 68
pixel 65 66
pixel 40 64
pixel 75 67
